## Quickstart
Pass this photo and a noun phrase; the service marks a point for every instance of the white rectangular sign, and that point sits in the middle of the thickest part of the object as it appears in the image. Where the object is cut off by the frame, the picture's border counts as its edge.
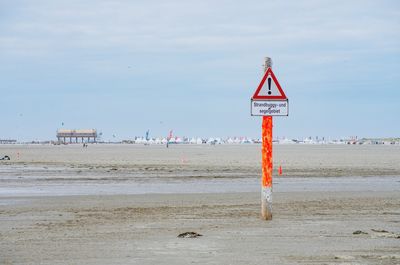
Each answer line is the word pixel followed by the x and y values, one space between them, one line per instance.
pixel 269 107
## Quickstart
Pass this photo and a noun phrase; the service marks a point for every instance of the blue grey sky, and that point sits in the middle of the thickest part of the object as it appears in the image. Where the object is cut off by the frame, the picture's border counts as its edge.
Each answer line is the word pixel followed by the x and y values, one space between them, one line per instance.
pixel 192 66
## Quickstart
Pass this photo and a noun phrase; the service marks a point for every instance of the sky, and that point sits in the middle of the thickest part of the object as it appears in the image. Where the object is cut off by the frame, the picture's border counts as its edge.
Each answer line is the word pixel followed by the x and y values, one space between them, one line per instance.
pixel 125 67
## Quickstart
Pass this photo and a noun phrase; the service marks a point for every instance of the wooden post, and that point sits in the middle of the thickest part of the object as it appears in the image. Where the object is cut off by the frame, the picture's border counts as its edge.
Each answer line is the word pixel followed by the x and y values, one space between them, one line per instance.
pixel 266 180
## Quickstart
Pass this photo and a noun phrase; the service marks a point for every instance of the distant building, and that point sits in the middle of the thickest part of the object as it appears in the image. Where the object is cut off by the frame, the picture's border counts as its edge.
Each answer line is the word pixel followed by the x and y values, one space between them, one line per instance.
pixel 90 135
pixel 7 141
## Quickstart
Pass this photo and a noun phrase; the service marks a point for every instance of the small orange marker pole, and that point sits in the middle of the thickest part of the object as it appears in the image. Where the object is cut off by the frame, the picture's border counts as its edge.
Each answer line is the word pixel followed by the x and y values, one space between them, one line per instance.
pixel 266 180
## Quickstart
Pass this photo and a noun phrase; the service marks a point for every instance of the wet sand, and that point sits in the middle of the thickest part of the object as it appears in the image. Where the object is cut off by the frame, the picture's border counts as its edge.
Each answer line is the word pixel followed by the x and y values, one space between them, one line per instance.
pixel 133 201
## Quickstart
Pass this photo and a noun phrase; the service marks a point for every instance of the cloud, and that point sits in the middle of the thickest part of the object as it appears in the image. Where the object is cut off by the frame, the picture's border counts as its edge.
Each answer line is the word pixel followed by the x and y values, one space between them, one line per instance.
pixel 158 26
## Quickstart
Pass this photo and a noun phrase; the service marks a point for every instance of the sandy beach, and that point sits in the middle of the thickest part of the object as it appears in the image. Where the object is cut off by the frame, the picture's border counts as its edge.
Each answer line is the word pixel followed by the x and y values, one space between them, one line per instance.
pixel 126 204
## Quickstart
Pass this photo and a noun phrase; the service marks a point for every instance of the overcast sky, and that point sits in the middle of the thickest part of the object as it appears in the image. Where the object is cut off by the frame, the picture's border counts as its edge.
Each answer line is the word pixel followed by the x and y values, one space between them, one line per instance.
pixel 124 67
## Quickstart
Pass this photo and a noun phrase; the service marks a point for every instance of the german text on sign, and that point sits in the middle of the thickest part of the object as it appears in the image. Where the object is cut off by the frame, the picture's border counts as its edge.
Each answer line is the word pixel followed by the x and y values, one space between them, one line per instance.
pixel 269 107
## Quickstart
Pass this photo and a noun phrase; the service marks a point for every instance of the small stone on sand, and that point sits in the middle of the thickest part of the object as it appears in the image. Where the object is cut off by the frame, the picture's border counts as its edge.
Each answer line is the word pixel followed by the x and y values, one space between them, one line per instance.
pixel 189 235
pixel 359 232
pixel 379 230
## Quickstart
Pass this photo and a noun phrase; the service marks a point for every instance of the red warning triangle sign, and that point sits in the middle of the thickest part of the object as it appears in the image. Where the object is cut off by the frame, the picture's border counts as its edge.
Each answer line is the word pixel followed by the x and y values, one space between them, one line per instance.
pixel 269 88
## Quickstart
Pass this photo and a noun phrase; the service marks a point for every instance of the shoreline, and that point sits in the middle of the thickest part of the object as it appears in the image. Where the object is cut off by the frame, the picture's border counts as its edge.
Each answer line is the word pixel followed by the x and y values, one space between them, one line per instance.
pixel 73 187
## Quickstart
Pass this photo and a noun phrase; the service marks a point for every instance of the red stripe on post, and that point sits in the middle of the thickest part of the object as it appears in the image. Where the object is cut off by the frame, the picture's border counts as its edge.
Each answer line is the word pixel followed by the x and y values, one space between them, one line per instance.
pixel 267 151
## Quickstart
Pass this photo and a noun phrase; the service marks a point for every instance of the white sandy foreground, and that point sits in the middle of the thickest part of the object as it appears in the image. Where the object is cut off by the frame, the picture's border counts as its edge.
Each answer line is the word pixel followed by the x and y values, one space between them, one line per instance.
pixel 126 204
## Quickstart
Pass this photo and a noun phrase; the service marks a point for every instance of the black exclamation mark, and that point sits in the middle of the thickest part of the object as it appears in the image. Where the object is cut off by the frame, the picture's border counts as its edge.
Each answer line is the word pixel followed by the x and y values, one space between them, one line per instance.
pixel 269 86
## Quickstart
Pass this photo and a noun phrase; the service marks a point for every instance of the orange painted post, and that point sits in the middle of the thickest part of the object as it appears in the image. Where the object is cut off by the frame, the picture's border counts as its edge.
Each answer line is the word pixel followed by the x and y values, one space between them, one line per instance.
pixel 268 100
pixel 266 180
